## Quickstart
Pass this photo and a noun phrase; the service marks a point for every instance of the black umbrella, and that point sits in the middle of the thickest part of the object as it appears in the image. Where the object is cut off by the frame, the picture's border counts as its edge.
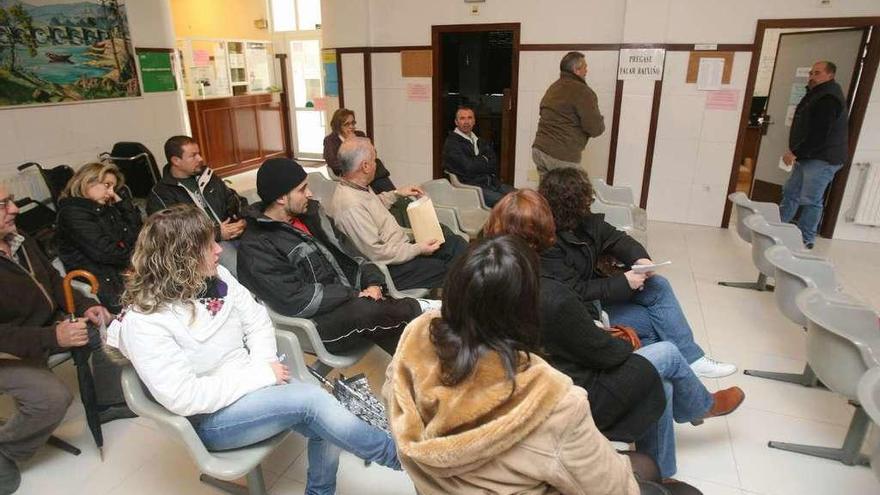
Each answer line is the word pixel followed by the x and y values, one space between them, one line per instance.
pixel 81 361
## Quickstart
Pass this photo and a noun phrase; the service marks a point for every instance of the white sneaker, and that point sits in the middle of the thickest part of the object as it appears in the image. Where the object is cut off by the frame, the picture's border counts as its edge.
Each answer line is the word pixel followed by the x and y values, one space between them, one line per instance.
pixel 707 367
pixel 429 304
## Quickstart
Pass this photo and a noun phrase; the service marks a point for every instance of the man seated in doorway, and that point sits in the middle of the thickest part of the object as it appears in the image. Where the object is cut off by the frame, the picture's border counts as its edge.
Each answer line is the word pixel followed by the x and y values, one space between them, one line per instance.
pixel 186 179
pixel 293 259
pixel 365 218
pixel 472 159
pixel 33 325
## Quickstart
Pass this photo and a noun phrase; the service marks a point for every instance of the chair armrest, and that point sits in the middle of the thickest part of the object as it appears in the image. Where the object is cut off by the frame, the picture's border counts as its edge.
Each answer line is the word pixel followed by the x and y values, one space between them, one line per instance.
pixel 288 344
pixel 622 195
pixel 447 217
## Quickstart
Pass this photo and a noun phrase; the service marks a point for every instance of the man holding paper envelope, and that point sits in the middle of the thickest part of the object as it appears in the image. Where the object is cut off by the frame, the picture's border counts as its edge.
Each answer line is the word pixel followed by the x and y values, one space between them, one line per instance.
pixel 364 217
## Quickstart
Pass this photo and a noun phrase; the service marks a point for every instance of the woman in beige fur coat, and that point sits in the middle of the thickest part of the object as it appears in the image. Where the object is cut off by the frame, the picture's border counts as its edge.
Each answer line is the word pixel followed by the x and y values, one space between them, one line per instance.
pixel 473 409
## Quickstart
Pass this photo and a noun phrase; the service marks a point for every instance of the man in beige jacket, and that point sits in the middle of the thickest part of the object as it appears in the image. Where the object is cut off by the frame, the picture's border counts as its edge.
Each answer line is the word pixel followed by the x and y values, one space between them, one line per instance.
pixel 364 217
pixel 569 117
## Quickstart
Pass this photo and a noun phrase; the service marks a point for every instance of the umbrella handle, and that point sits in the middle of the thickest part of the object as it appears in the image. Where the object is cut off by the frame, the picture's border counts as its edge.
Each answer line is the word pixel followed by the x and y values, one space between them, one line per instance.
pixel 67 285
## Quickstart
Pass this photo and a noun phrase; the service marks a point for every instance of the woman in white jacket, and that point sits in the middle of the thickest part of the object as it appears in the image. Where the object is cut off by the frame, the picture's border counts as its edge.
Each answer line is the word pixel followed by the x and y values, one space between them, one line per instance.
pixel 206 350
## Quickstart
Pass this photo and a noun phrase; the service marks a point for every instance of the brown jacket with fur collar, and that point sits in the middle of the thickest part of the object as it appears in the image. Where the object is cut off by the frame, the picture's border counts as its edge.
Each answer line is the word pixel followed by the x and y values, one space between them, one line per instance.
pixel 478 438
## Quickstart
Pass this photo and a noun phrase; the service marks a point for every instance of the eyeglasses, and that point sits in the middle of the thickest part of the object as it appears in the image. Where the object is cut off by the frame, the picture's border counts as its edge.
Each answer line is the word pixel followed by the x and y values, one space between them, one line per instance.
pixel 353 123
pixel 7 202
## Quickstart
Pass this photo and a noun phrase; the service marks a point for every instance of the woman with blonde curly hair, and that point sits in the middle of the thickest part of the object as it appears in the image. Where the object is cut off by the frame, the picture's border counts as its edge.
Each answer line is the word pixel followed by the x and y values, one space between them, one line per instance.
pixel 97 227
pixel 206 349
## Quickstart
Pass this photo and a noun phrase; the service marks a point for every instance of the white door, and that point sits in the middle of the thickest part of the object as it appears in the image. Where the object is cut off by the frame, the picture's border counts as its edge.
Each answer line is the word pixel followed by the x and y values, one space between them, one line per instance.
pixel 796 54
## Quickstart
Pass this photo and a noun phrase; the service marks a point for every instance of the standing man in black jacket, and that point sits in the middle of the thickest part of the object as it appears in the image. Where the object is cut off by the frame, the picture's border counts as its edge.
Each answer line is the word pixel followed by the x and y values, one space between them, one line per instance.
pixel 818 145
pixel 186 179
pixel 293 259
pixel 472 159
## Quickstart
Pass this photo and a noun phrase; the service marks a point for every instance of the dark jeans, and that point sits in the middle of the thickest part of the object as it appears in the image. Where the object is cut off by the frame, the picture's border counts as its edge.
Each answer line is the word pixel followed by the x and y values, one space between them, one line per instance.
pixel 41 400
pixel 428 271
pixel 364 319
pixel 493 195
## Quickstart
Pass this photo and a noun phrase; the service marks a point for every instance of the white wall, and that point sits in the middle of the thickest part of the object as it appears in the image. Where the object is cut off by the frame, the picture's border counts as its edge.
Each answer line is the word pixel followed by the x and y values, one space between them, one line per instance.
pixel 76 133
pixel 694 148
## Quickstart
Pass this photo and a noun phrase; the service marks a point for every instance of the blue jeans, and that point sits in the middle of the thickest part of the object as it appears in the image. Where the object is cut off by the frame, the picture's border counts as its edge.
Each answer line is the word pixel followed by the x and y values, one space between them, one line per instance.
pixel 305 409
pixel 686 400
pixel 656 316
pixel 805 188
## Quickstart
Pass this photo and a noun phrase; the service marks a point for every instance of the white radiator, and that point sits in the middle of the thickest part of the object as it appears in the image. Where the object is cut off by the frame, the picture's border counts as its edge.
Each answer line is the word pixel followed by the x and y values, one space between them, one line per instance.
pixel 26 184
pixel 868 206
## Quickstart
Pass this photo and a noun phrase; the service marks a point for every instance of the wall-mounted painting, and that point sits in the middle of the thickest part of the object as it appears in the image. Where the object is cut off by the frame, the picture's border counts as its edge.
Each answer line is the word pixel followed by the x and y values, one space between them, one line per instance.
pixel 56 51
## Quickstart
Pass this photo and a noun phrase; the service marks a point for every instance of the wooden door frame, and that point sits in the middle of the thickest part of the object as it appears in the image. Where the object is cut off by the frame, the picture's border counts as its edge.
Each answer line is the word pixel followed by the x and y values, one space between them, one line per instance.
pixel 438 132
pixel 856 118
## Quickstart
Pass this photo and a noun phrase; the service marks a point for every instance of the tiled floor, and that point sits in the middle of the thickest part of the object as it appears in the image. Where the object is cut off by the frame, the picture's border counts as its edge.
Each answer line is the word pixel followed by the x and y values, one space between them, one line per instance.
pixel 725 456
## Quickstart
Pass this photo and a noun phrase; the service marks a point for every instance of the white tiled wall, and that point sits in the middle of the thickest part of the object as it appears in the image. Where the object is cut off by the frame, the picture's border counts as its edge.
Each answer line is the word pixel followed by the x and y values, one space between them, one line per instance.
pixel 632 138
pixel 75 133
pixel 694 149
pixel 353 86
pixel 402 128
pixel 537 71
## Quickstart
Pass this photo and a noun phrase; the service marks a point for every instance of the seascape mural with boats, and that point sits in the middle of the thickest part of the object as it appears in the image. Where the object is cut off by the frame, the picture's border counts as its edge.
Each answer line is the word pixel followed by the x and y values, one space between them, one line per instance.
pixel 54 51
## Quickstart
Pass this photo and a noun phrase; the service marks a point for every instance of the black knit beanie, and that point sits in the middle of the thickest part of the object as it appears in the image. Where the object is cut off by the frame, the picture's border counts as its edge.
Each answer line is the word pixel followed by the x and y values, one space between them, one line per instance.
pixel 277 177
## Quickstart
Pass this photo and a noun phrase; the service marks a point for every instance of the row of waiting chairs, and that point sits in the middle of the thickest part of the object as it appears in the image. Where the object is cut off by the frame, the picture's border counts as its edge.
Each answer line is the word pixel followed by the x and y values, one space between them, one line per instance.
pixel 842 332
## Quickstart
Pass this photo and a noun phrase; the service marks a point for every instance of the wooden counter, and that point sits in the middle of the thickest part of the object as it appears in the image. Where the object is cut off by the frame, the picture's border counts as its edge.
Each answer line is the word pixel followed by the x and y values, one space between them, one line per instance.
pixel 238 133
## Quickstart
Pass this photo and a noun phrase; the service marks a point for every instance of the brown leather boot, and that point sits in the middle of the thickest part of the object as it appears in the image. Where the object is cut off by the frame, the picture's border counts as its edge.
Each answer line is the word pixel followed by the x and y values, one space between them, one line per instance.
pixel 726 401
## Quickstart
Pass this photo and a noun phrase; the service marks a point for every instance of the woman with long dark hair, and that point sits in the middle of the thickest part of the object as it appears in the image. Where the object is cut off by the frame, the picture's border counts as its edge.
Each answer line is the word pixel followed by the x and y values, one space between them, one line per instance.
pixel 621 376
pixel 205 349
pixel 643 301
pixel 474 409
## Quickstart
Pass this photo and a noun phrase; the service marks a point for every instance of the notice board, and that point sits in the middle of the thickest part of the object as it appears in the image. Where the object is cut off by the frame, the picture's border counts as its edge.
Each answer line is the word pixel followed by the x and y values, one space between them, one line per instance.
pixel 416 63
pixel 157 69
pixel 694 65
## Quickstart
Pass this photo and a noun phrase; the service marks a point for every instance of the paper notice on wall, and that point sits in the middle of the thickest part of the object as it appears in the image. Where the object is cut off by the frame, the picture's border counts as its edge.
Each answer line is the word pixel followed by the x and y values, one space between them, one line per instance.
pixel 710 73
pixel 418 92
pixel 641 63
pixel 320 103
pixel 723 99
pixel 803 72
pixel 789 115
pixel 201 58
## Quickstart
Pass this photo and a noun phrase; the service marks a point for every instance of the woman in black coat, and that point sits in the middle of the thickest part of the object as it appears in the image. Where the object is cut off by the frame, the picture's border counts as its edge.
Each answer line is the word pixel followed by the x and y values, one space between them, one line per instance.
pixel 644 301
pixel 343 126
pixel 635 392
pixel 97 228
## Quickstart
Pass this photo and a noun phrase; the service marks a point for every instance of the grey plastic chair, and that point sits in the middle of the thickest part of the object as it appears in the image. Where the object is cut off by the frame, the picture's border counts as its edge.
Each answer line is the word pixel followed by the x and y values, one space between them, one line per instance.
pixel 621 216
pixel 322 188
pixel 869 398
pixel 453 179
pixel 392 289
pixel 466 203
pixel 620 196
pixel 218 468
pixel 310 342
pixel 447 217
pixel 745 207
pixel 793 274
pixel 843 342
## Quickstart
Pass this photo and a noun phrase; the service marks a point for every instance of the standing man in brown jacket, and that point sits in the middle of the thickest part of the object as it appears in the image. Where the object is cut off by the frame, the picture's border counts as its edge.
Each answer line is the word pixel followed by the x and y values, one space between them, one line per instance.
pixel 569 117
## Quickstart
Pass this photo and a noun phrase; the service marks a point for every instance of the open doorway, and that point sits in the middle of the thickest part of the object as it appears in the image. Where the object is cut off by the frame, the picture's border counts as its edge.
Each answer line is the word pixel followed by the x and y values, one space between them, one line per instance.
pixel 785 49
pixel 477 65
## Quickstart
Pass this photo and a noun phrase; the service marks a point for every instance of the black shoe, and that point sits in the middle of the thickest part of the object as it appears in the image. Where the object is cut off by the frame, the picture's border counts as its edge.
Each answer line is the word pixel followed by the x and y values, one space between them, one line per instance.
pixel 808 246
pixel 10 476
pixel 111 413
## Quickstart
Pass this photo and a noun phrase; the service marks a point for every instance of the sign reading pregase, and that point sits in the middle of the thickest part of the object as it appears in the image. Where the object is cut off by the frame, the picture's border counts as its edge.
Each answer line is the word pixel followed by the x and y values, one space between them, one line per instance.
pixel 641 63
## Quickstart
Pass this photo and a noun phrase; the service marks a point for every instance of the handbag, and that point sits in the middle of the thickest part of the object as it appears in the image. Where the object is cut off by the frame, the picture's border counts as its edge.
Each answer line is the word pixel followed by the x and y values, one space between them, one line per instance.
pixel 355 395
pixel 625 333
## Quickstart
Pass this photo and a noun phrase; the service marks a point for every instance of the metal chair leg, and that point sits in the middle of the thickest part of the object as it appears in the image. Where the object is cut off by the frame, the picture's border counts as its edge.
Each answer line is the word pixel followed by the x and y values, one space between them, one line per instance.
pixel 65 446
pixel 759 285
pixel 848 454
pixel 256 485
pixel 322 368
pixel 807 378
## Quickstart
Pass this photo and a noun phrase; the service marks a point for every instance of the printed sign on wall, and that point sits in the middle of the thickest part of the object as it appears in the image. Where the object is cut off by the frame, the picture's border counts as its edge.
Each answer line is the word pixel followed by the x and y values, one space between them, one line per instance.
pixel 641 63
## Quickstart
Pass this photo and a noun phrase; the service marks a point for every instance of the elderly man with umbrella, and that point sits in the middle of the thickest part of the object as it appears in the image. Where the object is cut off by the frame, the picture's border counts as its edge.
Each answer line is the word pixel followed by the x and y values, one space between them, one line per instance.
pixel 33 325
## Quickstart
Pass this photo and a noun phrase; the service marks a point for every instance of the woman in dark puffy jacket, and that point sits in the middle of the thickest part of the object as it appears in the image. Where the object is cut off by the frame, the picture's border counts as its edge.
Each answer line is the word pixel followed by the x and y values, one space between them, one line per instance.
pixel 97 227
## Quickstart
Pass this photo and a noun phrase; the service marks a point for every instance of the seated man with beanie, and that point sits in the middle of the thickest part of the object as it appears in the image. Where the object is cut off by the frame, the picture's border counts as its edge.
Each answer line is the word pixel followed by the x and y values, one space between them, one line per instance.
pixel 292 259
